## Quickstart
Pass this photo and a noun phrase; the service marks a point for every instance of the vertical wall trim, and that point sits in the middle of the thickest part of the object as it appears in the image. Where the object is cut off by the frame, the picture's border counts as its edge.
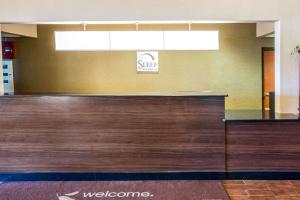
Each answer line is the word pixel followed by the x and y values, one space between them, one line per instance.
pixel 277 66
pixel 1 73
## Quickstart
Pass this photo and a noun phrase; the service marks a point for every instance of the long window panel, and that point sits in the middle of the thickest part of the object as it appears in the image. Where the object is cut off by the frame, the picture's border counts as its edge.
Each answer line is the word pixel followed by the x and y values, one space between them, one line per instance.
pixel 81 40
pixel 136 40
pixel 191 40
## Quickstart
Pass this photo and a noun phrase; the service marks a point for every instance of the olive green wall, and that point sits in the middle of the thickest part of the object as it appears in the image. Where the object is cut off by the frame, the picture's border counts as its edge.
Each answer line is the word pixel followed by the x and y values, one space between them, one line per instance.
pixel 235 68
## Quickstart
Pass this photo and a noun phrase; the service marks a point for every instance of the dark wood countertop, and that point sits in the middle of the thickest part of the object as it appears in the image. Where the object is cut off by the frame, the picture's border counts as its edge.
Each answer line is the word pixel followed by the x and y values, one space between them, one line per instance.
pixel 179 132
pixel 257 115
pixel 192 93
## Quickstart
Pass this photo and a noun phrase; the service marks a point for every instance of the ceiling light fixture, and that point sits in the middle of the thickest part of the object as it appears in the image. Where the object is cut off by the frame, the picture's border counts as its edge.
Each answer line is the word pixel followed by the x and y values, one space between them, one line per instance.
pixel 136 40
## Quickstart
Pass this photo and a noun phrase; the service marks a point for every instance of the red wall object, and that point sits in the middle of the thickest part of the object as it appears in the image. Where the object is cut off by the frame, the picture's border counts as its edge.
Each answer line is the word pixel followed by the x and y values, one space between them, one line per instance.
pixel 8 50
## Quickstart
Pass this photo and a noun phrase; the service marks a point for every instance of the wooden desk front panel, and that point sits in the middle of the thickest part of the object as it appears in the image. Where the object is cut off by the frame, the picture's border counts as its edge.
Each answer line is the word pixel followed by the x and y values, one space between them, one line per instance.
pixel 111 134
pixel 263 146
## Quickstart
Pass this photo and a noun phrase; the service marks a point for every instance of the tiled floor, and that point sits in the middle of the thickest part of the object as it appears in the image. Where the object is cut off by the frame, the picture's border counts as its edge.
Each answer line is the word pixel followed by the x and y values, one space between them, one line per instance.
pixel 263 190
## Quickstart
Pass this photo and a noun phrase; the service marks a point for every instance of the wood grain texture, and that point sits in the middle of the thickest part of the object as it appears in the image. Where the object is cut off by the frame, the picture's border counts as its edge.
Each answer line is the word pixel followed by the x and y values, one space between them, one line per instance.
pixel 263 146
pixel 111 134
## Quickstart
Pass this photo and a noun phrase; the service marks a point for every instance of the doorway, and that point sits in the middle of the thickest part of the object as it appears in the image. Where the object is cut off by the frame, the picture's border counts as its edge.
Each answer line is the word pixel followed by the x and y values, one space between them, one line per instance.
pixel 268 79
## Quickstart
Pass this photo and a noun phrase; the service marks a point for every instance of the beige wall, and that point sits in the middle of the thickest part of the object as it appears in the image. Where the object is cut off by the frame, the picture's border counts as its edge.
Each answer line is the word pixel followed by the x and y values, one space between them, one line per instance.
pixel 254 10
pixel 80 10
pixel 27 30
pixel 265 29
pixel 235 69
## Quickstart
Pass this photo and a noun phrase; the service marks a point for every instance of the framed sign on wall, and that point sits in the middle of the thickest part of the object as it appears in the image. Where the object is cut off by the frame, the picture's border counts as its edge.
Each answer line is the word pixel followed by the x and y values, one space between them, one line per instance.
pixel 147 62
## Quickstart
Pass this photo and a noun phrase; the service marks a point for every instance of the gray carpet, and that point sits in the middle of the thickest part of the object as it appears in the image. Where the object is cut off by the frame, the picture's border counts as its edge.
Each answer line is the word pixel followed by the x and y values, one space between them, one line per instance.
pixel 135 190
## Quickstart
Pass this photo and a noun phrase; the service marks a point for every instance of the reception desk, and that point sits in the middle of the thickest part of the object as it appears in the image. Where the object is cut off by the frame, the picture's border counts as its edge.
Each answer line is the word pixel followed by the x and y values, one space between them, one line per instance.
pixel 260 143
pixel 177 132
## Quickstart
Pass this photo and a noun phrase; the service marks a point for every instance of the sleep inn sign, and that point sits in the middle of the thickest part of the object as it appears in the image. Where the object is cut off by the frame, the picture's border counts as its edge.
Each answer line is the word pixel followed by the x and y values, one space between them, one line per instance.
pixel 147 62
